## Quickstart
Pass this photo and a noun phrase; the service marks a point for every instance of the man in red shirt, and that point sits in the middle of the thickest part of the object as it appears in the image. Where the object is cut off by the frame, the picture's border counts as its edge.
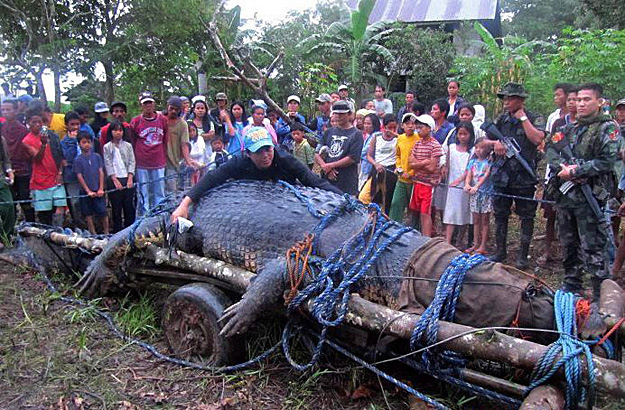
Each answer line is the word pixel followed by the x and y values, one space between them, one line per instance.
pixel 13 132
pixel 46 183
pixel 150 143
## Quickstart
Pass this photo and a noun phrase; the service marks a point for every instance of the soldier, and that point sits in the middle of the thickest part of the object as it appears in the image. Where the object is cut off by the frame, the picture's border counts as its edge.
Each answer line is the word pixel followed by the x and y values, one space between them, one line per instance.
pixel 593 140
pixel 509 177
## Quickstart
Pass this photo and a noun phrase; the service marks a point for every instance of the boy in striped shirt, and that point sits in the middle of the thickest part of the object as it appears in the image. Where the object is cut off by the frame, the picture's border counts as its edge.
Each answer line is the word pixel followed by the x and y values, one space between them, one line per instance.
pixel 423 160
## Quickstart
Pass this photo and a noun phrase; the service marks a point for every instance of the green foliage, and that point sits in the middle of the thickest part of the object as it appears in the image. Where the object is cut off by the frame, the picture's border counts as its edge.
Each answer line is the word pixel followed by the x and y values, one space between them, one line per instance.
pixel 424 56
pixel 356 46
pixel 482 76
pixel 544 19
pixel 138 317
pixel 605 13
pixel 315 79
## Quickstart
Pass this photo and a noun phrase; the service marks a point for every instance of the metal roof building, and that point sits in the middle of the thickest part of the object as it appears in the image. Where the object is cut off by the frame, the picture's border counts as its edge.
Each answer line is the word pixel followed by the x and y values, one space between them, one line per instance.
pixel 430 12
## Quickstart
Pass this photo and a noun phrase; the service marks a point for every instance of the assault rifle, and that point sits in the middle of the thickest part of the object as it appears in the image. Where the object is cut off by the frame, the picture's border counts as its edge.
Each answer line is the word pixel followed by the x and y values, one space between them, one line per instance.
pixel 567 154
pixel 510 144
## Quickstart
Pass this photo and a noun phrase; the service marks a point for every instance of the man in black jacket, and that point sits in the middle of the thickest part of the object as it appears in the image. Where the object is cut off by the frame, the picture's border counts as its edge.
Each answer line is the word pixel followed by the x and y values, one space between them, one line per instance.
pixel 262 162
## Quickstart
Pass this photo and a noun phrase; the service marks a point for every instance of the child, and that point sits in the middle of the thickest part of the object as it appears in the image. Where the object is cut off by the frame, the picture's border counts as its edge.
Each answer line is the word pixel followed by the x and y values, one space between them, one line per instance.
pixel 302 150
pixel 119 161
pixel 89 169
pixel 403 187
pixel 477 184
pixel 71 150
pixel 46 183
pixel 219 155
pixel 424 159
pixel 199 153
pixel 457 209
pixel 382 155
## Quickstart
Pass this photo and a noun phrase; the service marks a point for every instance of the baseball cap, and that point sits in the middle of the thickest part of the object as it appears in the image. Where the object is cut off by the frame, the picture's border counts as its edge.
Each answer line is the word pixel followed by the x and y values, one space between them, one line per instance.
pixel 119 104
pixel 101 107
pixel 342 87
pixel 409 115
pixel 175 101
pixel 258 104
pixel 323 98
pixel 26 99
pixel 363 112
pixel 198 98
pixel 293 98
pixel 145 96
pixel 341 107
pixel 424 119
pixel 620 102
pixel 257 138
pixel 183 98
pixel 512 90
pixel 221 96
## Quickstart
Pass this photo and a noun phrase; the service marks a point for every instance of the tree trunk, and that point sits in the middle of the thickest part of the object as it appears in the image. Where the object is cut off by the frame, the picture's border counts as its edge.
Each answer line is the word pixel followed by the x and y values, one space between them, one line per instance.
pixel 57 89
pixel 41 90
pixel 109 93
pixel 202 80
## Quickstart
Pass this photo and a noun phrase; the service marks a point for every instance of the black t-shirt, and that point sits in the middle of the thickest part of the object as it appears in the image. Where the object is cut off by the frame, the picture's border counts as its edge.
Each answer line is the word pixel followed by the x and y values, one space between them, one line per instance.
pixel 343 143
pixel 284 167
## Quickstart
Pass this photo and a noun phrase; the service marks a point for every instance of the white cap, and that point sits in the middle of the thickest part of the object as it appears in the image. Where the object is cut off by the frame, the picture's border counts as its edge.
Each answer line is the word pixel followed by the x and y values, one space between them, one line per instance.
pixel 427 120
pixel 198 98
pixel 293 98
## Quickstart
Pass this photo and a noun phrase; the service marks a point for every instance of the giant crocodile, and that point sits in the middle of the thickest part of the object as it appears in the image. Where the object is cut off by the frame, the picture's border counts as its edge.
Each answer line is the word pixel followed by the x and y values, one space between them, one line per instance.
pixel 252 224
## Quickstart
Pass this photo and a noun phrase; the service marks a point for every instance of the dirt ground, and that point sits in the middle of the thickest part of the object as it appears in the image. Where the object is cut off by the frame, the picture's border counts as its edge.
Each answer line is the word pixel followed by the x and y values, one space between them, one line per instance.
pixel 55 356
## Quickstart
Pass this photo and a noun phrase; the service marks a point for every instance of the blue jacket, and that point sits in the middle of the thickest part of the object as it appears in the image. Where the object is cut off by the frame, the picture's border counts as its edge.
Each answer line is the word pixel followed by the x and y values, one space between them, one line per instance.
pixel 283 130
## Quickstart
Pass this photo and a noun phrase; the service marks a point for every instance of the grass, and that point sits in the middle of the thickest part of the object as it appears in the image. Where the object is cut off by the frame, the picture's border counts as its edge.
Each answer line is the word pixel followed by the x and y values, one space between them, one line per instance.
pixel 137 317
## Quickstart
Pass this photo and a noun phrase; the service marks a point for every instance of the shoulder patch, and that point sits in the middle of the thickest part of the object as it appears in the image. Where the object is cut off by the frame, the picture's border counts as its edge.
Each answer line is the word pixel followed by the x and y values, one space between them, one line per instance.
pixel 614 135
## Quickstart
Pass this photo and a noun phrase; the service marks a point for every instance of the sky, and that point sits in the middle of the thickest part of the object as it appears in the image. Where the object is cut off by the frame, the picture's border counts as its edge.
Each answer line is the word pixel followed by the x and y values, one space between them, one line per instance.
pixel 267 10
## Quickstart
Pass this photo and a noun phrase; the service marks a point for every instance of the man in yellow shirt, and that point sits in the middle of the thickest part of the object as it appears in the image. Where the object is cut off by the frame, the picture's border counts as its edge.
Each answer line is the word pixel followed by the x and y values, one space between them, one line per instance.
pixel 55 122
pixel 403 188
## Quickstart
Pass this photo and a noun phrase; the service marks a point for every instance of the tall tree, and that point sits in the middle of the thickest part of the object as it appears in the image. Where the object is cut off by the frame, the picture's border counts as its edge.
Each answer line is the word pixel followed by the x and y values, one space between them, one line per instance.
pixel 36 37
pixel 539 19
pixel 605 13
pixel 355 41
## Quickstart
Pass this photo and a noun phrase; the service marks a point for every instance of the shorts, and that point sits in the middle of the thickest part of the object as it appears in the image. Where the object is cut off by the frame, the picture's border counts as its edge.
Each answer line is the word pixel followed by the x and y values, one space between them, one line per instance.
pixel 421 200
pixel 47 199
pixel 481 203
pixel 92 206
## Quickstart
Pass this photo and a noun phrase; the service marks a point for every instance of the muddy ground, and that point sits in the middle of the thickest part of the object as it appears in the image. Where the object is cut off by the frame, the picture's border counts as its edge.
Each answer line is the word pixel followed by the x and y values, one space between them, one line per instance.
pixel 56 356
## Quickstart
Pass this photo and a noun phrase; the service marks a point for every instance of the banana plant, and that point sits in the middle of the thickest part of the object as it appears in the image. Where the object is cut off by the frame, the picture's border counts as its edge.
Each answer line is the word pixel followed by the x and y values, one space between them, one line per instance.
pixel 355 43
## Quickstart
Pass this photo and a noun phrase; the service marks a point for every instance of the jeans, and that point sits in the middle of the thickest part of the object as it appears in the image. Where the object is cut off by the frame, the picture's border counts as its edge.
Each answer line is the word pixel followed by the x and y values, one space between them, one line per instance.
pixel 151 189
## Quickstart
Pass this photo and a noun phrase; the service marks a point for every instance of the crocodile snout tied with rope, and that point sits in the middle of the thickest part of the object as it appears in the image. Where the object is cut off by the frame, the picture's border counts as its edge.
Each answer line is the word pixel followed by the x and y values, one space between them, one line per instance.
pixel 306 244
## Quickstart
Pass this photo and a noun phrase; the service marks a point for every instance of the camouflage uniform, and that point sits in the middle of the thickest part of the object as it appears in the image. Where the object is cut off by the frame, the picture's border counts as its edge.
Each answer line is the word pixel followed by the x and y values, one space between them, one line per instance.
pixel 584 238
pixel 510 178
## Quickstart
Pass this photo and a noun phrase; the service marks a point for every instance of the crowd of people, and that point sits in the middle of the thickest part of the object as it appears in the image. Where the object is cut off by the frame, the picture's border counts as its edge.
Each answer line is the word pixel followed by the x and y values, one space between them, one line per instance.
pixel 430 166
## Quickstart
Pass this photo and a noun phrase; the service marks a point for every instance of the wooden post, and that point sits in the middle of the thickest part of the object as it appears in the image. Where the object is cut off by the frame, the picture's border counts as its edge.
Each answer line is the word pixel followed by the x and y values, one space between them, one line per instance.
pixel 544 398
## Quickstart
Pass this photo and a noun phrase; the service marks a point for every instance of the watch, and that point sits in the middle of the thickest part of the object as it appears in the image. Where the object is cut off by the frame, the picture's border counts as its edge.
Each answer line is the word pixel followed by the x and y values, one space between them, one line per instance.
pixel 523 118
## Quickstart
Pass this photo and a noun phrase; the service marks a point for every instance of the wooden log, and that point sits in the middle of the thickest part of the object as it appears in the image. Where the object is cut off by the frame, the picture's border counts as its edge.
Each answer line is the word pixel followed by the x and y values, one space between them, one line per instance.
pixel 544 398
pixel 92 245
pixel 485 344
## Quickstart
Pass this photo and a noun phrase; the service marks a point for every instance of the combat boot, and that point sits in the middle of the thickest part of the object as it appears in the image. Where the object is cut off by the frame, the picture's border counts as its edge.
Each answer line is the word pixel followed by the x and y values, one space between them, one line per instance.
pixel 501 237
pixel 527 229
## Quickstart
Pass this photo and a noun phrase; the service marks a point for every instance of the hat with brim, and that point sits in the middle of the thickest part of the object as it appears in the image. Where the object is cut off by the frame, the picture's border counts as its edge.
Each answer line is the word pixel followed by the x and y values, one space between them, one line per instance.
pixel 409 116
pixel 324 98
pixel 512 90
pixel 341 107
pixel 257 138
pixel 101 107
pixel 425 119
pixel 119 104
pixel 145 97
pixel 221 96
pixel 293 98
pixel 342 87
pixel 620 102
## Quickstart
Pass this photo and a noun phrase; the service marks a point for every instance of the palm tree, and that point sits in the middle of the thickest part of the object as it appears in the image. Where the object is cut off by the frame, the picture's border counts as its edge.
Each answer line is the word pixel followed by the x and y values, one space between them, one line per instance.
pixel 355 42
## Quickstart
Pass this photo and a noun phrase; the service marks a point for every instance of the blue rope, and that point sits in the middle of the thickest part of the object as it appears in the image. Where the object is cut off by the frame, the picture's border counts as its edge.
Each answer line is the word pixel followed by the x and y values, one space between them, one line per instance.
pixel 570 348
pixel 443 306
